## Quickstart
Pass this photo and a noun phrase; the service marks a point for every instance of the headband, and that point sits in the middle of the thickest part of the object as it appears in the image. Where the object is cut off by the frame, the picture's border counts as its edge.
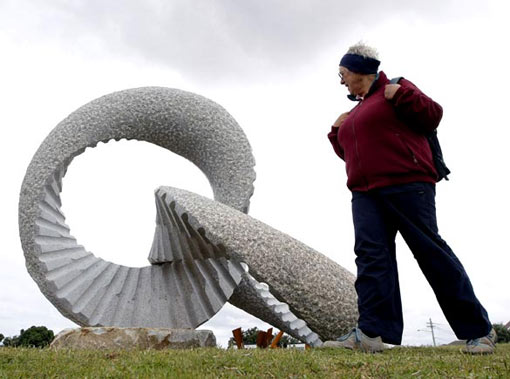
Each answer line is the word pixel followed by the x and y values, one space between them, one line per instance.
pixel 359 64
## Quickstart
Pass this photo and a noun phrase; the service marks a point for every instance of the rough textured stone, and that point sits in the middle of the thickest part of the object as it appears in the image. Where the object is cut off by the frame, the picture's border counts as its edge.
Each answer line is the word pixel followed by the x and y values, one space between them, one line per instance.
pixel 315 288
pixel 252 296
pixel 110 338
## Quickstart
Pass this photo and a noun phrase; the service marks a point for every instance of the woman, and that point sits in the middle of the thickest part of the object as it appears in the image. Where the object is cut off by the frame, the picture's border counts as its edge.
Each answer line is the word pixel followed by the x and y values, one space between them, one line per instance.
pixel 391 174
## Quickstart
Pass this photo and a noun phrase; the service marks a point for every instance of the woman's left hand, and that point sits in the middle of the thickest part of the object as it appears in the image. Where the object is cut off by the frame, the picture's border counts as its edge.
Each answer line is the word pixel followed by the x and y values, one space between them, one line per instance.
pixel 390 90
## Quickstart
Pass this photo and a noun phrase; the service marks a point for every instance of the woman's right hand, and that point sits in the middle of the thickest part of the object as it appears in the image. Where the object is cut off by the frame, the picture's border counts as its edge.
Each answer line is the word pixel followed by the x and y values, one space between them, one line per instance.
pixel 339 121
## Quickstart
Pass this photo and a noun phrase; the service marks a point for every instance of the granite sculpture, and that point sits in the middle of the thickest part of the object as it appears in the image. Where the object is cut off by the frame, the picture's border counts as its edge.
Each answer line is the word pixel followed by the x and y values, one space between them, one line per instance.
pixel 205 252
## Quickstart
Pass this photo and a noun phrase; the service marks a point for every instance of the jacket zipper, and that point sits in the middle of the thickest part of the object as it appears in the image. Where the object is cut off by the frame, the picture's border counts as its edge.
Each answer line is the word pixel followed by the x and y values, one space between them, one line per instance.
pixel 357 149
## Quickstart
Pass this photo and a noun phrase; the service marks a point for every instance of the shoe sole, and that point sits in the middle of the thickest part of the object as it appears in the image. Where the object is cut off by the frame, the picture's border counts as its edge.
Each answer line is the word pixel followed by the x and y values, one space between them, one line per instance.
pixel 337 345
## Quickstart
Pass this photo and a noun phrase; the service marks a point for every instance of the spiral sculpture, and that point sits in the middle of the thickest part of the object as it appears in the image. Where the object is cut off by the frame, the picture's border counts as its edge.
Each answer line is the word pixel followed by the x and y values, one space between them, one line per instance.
pixel 205 252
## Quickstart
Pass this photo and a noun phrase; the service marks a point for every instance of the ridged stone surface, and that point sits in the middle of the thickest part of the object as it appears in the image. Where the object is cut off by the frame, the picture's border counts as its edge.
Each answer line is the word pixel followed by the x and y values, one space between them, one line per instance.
pixel 316 289
pixel 94 292
pixel 256 298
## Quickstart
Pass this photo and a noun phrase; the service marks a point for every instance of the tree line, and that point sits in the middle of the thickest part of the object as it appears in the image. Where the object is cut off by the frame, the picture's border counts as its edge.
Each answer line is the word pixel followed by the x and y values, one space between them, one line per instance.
pixel 35 336
pixel 502 332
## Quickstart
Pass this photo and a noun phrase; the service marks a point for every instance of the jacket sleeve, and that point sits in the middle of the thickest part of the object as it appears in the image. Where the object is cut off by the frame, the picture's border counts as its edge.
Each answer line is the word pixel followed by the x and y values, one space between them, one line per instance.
pixel 415 108
pixel 332 135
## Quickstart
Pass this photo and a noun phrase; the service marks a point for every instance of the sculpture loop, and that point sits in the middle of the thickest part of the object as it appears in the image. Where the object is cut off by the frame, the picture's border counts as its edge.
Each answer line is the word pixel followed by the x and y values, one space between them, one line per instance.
pixel 204 252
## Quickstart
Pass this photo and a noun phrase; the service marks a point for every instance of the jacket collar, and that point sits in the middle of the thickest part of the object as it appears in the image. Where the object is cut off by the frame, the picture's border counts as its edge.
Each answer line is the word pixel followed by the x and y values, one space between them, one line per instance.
pixel 380 79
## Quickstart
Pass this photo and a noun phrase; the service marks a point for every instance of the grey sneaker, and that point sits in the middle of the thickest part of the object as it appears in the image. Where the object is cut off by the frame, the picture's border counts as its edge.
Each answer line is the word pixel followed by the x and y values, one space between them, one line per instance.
pixel 482 345
pixel 357 340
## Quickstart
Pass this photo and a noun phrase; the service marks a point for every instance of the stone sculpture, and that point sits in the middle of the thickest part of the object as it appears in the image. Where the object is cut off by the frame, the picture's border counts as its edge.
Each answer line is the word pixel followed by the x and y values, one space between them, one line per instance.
pixel 204 252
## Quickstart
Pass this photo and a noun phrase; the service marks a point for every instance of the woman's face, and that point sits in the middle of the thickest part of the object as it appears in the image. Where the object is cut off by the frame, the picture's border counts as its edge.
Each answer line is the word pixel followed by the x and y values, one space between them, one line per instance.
pixel 351 80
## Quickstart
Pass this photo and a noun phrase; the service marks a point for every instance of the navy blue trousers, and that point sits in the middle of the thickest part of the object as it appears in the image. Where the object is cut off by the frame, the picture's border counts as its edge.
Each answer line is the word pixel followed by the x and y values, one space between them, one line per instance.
pixel 409 209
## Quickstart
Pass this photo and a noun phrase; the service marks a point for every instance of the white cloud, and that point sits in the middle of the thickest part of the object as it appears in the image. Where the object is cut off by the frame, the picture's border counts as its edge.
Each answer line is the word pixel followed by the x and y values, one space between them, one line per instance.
pixel 215 41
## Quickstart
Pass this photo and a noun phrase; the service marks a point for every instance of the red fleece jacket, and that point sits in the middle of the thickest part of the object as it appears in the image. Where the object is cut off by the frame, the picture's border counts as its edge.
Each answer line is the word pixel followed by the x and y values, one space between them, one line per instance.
pixel 380 140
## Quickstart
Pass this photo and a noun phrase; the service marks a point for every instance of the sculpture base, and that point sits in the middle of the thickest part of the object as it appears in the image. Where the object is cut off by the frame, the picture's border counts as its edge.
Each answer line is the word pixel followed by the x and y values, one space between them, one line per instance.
pixel 115 338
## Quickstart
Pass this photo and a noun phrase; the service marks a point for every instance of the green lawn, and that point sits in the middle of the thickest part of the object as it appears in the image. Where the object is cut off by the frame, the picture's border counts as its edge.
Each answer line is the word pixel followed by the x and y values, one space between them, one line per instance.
pixel 399 362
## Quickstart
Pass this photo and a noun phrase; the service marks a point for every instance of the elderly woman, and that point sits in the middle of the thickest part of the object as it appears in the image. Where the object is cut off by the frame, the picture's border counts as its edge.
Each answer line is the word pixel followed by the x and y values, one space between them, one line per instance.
pixel 392 176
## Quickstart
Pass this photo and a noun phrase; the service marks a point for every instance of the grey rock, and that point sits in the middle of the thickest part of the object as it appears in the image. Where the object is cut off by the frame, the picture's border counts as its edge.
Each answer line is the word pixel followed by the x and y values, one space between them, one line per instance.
pixel 111 338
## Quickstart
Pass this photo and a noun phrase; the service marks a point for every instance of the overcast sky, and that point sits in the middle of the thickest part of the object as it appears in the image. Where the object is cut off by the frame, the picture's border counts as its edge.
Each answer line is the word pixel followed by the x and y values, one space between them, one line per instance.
pixel 273 65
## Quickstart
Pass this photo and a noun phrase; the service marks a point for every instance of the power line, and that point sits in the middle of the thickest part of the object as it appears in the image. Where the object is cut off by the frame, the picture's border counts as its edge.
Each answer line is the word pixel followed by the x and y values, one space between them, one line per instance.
pixel 431 326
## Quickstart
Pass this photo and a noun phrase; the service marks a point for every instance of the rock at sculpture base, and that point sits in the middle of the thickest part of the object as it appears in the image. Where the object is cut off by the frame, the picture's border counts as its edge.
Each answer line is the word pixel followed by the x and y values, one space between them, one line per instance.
pixel 112 338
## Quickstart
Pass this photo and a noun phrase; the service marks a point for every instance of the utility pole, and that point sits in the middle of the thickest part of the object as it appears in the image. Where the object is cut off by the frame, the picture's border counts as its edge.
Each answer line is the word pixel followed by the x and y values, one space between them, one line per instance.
pixel 431 326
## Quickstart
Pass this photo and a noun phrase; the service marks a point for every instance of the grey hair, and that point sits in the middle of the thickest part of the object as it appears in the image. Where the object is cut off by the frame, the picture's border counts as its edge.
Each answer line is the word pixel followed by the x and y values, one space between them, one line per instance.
pixel 364 50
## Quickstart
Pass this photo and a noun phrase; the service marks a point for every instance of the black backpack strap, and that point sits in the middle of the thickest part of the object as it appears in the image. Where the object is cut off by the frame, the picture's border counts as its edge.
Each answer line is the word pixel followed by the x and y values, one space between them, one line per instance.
pixel 442 170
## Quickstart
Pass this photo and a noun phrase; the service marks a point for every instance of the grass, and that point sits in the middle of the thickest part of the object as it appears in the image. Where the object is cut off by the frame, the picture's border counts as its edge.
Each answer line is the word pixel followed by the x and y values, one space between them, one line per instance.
pixel 409 362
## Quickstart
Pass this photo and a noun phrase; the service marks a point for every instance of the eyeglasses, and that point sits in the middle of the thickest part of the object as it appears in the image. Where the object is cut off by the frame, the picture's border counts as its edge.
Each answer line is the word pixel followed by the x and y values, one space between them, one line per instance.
pixel 341 76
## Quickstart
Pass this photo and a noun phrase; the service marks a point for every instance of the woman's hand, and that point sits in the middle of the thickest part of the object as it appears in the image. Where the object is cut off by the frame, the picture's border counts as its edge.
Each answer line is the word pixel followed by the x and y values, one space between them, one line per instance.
pixel 339 121
pixel 390 90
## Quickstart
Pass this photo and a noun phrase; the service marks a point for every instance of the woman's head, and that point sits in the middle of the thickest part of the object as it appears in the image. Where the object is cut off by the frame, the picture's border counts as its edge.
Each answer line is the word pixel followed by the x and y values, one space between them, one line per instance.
pixel 358 68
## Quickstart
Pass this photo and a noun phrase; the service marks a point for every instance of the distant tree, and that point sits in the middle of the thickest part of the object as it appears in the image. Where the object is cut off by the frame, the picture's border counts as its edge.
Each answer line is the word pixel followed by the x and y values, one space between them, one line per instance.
pixel 11 341
pixel 503 333
pixel 249 337
pixel 1 337
pixel 287 340
pixel 36 336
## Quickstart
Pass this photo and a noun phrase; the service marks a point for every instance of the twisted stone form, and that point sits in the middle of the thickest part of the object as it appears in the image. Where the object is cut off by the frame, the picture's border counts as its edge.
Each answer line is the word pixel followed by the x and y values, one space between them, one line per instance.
pixel 314 288
pixel 168 249
pixel 184 294
pixel 199 245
